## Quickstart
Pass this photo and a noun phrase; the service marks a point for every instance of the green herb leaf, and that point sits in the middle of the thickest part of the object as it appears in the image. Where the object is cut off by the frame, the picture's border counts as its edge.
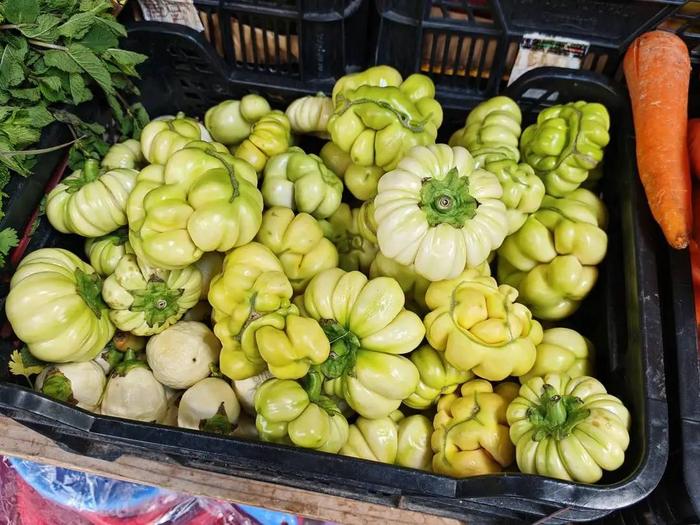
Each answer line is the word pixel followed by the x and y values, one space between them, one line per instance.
pixel 22 135
pixel 125 124
pixel 43 29
pixel 22 363
pixel 141 118
pixel 125 60
pixel 99 38
pixel 29 94
pixel 52 82
pixel 8 240
pixel 114 26
pixel 39 116
pixel 77 26
pixel 92 65
pixel 96 6
pixel 50 94
pixel 11 70
pixel 61 60
pixel 73 120
pixel 78 90
pixel 21 11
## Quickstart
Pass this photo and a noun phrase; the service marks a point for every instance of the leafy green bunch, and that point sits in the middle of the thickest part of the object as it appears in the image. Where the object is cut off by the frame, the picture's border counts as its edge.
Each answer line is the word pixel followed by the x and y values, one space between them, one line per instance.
pixel 55 54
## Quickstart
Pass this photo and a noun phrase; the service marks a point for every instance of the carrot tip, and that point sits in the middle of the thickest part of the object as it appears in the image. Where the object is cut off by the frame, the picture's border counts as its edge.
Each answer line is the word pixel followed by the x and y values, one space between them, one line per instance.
pixel 679 243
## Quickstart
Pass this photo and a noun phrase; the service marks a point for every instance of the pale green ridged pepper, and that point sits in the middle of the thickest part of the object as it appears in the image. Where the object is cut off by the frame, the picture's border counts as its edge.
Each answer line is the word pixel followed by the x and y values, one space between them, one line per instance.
pixel 394 439
pixel 491 131
pixel 566 428
pixel 378 117
pixel 301 182
pixel 566 143
pixel 289 413
pixel 552 258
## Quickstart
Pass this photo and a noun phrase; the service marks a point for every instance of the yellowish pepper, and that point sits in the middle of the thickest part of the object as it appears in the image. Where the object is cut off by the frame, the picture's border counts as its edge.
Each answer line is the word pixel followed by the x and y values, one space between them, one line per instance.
pixel 480 327
pixel 471 432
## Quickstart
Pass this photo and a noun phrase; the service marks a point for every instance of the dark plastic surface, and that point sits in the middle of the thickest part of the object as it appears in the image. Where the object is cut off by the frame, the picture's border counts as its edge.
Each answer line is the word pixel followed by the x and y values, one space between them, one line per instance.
pixel 686 344
pixel 621 316
pixel 312 41
pixel 469 46
pixel 686 23
pixel 24 194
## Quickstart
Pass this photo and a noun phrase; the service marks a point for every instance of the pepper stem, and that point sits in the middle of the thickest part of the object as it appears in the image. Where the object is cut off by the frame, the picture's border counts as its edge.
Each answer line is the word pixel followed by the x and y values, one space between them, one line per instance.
pixel 313 384
pixel 229 169
pixel 344 347
pixel 129 363
pixel 58 386
pixel 91 169
pixel 89 288
pixel 111 355
pixel 218 423
pixel 556 415
pixel 157 301
pixel 119 237
pixel 90 172
pixel 448 201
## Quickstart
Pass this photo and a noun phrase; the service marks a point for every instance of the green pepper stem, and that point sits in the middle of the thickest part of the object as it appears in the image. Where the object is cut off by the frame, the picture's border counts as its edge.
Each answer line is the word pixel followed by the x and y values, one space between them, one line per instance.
pixel 344 347
pixel 120 237
pixel 556 415
pixel 129 363
pixel 448 201
pixel 343 104
pixel 229 169
pixel 313 385
pixel 89 288
pixel 91 170
pixel 313 382
pixel 157 301
pixel 113 356
pixel 218 423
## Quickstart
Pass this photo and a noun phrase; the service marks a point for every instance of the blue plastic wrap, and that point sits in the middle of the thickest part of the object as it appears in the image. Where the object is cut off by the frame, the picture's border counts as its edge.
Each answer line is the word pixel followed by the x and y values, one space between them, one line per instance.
pixel 46 494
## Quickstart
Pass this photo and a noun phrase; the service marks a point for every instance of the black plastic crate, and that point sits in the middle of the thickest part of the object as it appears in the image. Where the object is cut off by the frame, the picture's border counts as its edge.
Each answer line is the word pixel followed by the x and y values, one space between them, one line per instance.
pixel 468 47
pixel 309 42
pixel 686 23
pixel 685 331
pixel 621 316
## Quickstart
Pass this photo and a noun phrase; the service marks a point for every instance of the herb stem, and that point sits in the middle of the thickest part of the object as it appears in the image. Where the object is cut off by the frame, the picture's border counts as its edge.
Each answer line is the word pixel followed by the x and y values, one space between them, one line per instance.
pixel 39 151
pixel 39 43
pixel 9 26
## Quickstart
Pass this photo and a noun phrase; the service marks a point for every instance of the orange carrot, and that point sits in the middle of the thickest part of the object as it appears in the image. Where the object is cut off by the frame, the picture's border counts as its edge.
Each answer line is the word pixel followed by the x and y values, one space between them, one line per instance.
pixel 657 69
pixel 694 147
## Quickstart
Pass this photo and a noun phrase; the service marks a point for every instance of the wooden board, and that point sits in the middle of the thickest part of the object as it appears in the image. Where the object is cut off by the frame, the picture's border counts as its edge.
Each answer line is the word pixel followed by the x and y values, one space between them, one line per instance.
pixel 22 442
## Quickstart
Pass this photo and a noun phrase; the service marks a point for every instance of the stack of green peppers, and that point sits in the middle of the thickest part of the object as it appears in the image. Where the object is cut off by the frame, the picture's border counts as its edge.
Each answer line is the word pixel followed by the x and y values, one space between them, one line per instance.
pixel 342 312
